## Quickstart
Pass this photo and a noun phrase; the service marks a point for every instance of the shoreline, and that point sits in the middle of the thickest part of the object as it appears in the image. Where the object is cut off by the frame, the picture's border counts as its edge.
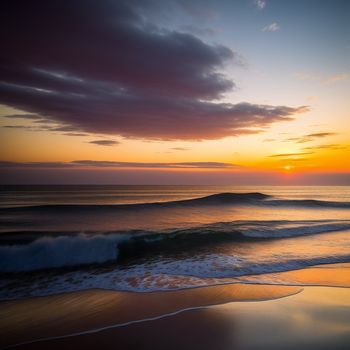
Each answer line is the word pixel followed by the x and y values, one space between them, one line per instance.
pixel 332 276
pixel 269 324
pixel 91 312
pixel 120 325
pixel 26 320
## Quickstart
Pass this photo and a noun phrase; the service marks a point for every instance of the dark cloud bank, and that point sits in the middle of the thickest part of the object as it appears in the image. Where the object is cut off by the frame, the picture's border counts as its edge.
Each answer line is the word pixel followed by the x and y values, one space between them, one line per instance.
pixel 101 67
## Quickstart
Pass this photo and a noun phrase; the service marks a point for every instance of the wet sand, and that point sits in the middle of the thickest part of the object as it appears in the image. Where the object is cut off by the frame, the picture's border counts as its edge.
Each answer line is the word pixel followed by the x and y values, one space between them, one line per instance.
pixel 252 317
pixel 70 313
pixel 316 319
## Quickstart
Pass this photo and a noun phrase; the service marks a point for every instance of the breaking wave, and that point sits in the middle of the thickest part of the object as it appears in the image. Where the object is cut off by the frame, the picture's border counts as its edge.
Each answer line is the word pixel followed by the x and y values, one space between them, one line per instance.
pixel 49 252
pixel 64 250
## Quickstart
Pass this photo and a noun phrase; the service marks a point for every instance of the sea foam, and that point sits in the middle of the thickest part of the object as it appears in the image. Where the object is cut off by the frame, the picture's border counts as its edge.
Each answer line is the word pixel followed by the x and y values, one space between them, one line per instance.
pixel 81 249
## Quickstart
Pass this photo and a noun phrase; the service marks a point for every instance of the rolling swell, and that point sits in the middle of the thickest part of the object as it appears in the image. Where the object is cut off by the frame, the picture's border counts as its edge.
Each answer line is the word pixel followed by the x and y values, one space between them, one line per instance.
pixel 254 198
pixel 97 248
pixel 307 203
pixel 215 199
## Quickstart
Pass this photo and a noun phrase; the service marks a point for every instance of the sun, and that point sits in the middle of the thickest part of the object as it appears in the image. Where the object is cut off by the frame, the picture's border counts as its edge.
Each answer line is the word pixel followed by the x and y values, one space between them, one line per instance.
pixel 287 167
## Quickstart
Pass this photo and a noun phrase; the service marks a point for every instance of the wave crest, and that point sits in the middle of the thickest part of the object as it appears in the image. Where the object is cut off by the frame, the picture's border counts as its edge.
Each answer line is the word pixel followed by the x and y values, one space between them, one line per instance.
pixel 253 198
pixel 81 249
pixel 49 252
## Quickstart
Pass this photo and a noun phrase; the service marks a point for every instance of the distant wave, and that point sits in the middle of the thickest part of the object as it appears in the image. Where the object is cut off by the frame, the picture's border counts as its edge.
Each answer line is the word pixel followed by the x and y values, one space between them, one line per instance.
pixel 94 248
pixel 307 203
pixel 226 198
pixel 254 198
pixel 215 199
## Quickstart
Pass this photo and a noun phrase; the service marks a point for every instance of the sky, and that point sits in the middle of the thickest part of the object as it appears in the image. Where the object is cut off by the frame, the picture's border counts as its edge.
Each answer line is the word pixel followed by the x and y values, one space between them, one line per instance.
pixel 243 92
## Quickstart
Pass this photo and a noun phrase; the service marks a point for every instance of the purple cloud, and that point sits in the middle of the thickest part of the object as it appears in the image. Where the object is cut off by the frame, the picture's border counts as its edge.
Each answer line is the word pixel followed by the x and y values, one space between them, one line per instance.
pixel 116 164
pixel 107 70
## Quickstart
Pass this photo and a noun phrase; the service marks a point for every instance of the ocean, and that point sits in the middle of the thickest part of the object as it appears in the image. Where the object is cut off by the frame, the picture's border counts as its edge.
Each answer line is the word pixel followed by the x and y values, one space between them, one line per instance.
pixel 57 239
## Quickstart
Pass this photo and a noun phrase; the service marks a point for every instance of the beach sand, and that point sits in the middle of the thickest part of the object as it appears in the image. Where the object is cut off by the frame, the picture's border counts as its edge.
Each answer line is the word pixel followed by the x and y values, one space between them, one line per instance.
pixel 253 317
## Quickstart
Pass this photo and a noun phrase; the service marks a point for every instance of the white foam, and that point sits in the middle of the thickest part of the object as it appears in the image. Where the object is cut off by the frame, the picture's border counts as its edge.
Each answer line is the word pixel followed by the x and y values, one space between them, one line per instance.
pixel 212 269
pixel 52 252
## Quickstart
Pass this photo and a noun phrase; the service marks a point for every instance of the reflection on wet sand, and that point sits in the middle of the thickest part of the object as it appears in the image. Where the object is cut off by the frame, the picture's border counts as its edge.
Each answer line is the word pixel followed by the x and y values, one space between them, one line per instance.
pixel 317 318
pixel 59 315
pixel 276 316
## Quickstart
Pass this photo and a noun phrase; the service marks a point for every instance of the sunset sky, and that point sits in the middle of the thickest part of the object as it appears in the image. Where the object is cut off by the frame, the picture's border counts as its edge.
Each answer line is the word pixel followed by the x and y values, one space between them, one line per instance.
pixel 175 92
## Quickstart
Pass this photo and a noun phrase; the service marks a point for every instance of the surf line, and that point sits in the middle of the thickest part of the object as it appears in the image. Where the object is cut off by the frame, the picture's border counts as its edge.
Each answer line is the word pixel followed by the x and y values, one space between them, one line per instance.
pixel 149 319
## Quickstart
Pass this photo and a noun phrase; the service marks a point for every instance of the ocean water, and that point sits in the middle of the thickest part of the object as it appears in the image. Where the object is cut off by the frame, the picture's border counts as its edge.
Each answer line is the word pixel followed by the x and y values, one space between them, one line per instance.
pixel 145 238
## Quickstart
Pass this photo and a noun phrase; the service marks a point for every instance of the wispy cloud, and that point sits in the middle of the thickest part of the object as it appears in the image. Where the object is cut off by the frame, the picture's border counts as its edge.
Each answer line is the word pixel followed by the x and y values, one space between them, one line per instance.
pixel 320 134
pixel 23 116
pixel 180 149
pixel 310 137
pixel 260 4
pixel 311 98
pixel 338 77
pixel 291 160
pixel 64 128
pixel 307 76
pixel 105 142
pixel 17 127
pixel 35 127
pixel 280 155
pixel 115 164
pixel 269 140
pixel 271 27
pixel 76 134
pixel 327 146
